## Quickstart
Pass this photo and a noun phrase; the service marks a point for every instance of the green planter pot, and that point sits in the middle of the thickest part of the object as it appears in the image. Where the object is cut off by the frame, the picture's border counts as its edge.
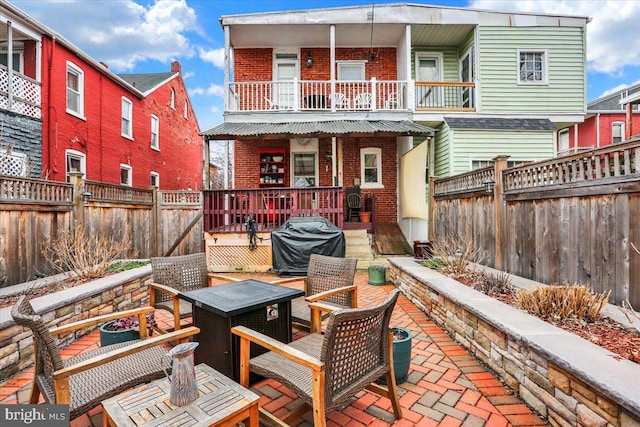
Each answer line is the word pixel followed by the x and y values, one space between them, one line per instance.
pixel 116 337
pixel 401 355
pixel 377 274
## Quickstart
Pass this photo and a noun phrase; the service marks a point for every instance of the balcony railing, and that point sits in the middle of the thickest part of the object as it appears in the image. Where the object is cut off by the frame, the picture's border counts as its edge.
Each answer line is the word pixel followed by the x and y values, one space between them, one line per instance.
pixel 20 94
pixel 228 210
pixel 449 96
pixel 318 95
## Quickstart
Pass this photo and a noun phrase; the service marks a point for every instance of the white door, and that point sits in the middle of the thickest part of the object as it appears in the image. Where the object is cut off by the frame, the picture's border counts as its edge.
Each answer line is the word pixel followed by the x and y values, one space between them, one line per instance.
pixel 285 71
pixel 429 69
pixel 466 75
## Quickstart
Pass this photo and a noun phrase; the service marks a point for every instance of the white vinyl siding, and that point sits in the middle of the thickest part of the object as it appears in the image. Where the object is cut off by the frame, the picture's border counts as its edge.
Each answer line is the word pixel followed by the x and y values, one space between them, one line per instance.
pixel 498 70
pixel 442 151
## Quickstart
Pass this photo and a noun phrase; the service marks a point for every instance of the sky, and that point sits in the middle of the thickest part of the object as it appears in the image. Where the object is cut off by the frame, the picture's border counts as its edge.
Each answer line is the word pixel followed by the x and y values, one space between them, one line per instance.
pixel 145 36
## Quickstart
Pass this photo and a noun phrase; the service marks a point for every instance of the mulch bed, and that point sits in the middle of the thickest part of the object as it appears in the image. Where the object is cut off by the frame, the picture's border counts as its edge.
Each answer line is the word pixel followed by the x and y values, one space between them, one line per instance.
pixel 605 333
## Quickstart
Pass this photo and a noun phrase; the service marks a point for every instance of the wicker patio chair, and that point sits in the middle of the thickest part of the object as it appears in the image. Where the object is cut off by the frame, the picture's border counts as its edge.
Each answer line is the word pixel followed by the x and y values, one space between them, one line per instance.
pixel 325 371
pixel 329 282
pixel 83 381
pixel 171 275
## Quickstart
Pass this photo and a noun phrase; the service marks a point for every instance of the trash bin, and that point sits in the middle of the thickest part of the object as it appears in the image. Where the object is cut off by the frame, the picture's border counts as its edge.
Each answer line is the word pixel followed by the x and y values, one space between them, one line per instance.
pixel 422 249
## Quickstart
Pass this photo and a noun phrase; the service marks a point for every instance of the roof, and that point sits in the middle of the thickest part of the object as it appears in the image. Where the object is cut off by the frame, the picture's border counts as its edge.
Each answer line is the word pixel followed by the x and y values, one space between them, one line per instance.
pixel 496 123
pixel 611 102
pixel 146 82
pixel 312 129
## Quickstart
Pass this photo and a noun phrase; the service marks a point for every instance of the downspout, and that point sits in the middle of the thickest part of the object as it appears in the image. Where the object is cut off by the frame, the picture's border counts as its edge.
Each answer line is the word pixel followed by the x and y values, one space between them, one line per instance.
pixel 575 137
pixel 101 119
pixel 51 108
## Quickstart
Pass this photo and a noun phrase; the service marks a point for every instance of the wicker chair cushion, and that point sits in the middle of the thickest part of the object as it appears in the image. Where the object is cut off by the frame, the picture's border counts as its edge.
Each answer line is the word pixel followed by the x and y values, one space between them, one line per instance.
pixel 295 376
pixel 185 307
pixel 301 314
pixel 90 387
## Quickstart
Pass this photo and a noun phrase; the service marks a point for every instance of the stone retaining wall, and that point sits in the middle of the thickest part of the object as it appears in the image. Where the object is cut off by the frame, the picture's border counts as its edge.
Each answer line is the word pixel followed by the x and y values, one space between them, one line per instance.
pixel 565 378
pixel 117 292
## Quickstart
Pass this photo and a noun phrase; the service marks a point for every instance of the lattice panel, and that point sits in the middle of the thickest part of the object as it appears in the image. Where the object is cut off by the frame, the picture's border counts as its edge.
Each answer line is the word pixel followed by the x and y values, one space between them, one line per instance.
pixel 13 164
pixel 230 258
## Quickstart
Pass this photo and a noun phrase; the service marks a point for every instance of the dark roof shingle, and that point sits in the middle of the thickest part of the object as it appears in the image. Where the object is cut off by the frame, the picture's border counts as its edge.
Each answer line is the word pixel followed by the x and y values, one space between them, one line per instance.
pixel 497 123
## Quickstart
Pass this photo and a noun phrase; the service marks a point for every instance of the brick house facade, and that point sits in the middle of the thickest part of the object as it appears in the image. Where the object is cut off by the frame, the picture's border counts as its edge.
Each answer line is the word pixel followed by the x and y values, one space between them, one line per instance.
pixel 81 105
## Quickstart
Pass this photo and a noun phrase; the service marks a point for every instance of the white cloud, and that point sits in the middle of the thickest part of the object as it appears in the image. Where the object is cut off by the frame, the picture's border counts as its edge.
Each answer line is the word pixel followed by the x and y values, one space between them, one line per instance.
pixel 188 75
pixel 215 57
pixel 213 89
pixel 613 40
pixel 214 109
pixel 120 33
pixel 617 88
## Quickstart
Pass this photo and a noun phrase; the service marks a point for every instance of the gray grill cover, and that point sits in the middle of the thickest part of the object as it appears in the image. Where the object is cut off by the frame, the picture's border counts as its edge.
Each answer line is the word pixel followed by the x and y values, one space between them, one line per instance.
pixel 295 240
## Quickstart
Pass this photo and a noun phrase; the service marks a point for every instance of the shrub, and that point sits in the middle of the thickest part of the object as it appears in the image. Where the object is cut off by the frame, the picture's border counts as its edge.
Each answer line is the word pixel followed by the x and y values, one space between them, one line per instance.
pixel 84 255
pixel 131 322
pixel 119 266
pixel 495 284
pixel 434 263
pixel 561 302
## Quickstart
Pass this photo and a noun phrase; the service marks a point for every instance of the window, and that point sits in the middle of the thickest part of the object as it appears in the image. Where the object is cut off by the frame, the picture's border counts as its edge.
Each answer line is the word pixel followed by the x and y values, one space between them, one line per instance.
pixel 351 70
pixel 371 168
pixel 127 115
pixel 172 99
pixel 17 60
pixel 125 174
pixel 479 164
pixel 563 140
pixel 304 169
pixel 617 132
pixel 155 132
pixel 532 66
pixel 186 110
pixel 154 179
pixel 13 163
pixel 75 90
pixel 76 162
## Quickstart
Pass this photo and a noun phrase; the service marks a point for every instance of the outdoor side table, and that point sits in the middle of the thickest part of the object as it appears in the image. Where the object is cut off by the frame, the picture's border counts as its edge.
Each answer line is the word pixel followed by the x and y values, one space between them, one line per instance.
pixel 261 306
pixel 221 403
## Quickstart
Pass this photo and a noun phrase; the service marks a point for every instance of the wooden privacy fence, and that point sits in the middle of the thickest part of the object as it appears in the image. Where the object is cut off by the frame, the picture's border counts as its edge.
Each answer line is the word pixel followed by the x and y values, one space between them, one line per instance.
pixel 565 220
pixel 35 212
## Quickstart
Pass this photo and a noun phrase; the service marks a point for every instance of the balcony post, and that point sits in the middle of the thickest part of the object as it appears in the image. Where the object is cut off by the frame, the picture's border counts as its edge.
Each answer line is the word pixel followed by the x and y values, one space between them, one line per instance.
pixel 332 60
pixel 10 65
pixel 296 94
pixel 410 99
pixel 373 94
pixel 227 69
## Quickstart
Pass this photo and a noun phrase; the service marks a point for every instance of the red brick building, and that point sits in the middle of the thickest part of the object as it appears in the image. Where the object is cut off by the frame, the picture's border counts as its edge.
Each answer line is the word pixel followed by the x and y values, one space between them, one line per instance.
pixel 131 129
pixel 605 123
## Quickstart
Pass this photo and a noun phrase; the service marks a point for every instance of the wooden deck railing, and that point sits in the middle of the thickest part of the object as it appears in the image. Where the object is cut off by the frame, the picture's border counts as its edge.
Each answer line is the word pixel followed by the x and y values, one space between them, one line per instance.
pixel 226 211
pixel 475 180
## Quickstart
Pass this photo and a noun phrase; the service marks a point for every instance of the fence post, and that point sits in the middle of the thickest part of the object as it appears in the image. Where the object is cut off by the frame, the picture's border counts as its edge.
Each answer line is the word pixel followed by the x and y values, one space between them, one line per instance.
pixel 499 207
pixel 430 208
pixel 75 178
pixel 154 230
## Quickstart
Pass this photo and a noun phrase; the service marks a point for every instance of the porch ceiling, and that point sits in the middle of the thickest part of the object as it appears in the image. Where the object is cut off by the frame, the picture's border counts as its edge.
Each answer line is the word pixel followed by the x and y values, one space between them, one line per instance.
pixel 439 35
pixel 315 129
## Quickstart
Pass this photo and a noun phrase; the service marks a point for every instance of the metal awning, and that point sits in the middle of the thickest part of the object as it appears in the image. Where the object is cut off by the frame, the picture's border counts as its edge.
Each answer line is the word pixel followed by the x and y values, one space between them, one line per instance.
pixel 316 129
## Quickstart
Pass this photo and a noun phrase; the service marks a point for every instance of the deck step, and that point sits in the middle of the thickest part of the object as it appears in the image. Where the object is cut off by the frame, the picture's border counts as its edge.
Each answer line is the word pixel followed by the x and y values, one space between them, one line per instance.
pixel 358 246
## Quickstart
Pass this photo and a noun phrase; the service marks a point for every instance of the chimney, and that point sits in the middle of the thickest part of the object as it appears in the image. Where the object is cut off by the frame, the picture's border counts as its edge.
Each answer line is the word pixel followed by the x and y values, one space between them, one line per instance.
pixel 104 64
pixel 175 67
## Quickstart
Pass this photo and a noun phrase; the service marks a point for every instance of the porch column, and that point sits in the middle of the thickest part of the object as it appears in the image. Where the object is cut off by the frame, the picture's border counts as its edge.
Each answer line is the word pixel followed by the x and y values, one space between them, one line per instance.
pixel 227 67
pixel 332 62
pixel 628 129
pixel 334 162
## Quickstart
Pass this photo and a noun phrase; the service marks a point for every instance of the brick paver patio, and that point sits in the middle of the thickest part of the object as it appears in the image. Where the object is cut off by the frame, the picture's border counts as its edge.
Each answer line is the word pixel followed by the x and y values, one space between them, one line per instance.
pixel 446 385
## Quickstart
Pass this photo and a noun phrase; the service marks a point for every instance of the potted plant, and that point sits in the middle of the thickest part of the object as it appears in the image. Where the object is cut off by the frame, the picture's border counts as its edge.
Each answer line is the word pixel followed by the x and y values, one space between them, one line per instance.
pixel 124 329
pixel 401 355
pixel 377 274
pixel 365 216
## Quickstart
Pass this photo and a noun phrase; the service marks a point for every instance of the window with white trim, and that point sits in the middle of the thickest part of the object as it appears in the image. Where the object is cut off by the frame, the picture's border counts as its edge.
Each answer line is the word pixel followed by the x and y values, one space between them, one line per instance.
pixel 154 179
pixel 13 163
pixel 125 174
pixel 186 110
pixel 351 70
pixel 532 66
pixel 18 61
pixel 127 118
pixel 371 168
pixel 76 162
pixel 172 99
pixel 617 132
pixel 483 163
pixel 563 140
pixel 155 132
pixel 75 90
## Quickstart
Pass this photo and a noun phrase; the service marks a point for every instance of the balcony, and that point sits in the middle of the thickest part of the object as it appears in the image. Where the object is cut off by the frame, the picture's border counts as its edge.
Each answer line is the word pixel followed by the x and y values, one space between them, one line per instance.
pixel 445 96
pixel 20 94
pixel 350 96
pixel 318 95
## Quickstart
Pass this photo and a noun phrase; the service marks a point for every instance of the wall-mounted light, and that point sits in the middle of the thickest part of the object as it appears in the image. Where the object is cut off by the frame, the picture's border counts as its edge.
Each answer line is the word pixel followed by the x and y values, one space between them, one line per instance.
pixel 328 155
pixel 489 185
pixel 309 59
pixel 85 196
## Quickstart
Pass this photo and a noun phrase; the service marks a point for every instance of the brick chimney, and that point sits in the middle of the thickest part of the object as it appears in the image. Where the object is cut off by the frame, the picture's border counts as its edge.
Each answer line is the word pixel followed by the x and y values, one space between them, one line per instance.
pixel 175 67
